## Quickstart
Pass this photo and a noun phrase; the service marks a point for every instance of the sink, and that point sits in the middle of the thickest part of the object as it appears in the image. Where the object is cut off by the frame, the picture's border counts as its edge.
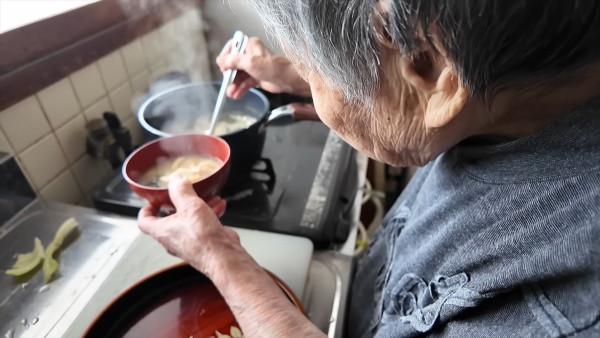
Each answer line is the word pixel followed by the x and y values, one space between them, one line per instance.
pixel 103 245
pixel 27 306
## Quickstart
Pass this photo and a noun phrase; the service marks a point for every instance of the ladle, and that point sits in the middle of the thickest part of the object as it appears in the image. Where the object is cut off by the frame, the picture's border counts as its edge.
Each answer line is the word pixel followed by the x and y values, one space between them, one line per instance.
pixel 238 44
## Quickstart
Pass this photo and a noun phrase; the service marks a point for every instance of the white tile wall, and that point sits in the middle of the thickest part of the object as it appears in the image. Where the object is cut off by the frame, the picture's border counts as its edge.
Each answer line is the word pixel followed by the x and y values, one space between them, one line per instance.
pixel 63 189
pixel 71 137
pixel 194 19
pixel 88 85
pixel 98 108
pixel 159 68
pixel 201 64
pixel 181 29
pixel 169 36
pixel 4 144
pixel 180 58
pixel 140 82
pixel 152 44
pixel 44 161
pixel 59 102
pixel 46 132
pixel 24 123
pixel 112 69
pixel 121 101
pixel 89 172
pixel 135 60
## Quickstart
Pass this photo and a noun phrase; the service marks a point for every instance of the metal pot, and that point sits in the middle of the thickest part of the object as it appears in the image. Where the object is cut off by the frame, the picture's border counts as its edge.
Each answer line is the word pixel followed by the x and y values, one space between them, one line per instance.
pixel 174 110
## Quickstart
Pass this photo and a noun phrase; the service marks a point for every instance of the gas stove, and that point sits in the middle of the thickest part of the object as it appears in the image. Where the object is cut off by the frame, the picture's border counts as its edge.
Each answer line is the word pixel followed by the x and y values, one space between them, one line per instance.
pixel 304 185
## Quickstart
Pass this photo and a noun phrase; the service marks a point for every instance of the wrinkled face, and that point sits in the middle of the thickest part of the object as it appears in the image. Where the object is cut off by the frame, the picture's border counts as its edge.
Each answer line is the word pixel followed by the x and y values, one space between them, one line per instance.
pixel 392 131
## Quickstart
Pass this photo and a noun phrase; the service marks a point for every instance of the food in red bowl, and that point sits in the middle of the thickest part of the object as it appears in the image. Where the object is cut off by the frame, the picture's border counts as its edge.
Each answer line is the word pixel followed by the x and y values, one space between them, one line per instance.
pixel 203 159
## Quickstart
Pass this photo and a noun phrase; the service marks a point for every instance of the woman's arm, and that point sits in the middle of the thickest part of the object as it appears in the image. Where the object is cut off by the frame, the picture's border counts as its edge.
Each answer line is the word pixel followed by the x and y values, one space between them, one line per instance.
pixel 195 234
pixel 258 304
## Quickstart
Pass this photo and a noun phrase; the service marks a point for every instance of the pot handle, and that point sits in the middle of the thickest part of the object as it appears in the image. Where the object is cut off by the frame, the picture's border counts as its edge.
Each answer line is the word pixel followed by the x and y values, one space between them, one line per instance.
pixel 298 112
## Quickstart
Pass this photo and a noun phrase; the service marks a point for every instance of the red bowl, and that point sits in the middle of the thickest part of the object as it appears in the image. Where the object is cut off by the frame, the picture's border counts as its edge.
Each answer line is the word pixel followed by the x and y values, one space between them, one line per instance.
pixel 177 301
pixel 149 154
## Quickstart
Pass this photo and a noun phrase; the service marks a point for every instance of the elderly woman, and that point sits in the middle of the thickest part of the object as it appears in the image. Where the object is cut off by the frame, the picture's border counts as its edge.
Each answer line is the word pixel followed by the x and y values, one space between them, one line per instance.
pixel 499 233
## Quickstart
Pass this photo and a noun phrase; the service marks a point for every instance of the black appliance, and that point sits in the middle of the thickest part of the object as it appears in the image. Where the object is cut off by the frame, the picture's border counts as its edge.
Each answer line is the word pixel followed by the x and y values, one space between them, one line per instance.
pixel 304 185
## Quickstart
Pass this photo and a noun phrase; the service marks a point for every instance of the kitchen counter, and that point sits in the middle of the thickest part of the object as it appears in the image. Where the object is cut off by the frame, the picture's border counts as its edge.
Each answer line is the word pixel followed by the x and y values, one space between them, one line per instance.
pixel 145 256
pixel 322 286
pixel 30 308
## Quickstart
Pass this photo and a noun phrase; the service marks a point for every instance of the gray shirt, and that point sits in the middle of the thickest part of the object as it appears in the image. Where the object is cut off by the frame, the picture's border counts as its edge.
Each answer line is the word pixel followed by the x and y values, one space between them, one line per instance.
pixel 499 240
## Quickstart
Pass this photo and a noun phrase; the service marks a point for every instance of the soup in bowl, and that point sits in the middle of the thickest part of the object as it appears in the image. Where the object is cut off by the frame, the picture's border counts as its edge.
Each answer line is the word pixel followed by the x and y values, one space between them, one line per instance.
pixel 202 159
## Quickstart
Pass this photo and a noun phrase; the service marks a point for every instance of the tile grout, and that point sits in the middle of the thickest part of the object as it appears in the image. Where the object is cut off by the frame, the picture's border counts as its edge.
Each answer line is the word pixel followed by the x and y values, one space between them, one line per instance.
pixel 145 73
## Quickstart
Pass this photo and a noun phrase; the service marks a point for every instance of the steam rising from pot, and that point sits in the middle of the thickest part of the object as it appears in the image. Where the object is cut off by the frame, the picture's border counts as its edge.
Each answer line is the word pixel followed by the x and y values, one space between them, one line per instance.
pixel 176 53
pixel 177 112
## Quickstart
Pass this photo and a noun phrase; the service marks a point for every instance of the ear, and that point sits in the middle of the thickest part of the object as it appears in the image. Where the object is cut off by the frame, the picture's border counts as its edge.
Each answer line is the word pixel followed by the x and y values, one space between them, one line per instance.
pixel 446 94
pixel 447 101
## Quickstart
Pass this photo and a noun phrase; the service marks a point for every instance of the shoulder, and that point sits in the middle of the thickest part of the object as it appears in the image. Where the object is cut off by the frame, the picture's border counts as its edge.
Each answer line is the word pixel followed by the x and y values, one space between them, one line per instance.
pixel 530 270
pixel 528 310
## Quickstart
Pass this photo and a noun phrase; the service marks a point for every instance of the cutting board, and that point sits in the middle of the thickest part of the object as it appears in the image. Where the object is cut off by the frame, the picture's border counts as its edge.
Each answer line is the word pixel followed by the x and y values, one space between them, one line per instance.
pixel 286 256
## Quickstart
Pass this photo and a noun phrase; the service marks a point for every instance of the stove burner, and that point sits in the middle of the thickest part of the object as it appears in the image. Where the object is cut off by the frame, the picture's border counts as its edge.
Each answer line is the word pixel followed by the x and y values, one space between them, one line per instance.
pixel 302 186
pixel 254 199
pixel 262 172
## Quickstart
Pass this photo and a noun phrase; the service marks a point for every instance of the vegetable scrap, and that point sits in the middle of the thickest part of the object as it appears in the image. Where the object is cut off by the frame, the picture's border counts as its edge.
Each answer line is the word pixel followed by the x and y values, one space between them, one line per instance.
pixel 29 261
pixel 50 264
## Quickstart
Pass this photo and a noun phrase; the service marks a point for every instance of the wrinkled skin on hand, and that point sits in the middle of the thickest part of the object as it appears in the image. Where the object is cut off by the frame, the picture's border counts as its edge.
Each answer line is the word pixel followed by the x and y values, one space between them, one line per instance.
pixel 194 230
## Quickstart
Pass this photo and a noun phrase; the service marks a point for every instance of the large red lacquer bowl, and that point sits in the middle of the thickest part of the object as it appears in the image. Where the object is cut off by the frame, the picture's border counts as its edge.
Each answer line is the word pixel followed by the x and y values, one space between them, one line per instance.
pixel 175 302
pixel 152 153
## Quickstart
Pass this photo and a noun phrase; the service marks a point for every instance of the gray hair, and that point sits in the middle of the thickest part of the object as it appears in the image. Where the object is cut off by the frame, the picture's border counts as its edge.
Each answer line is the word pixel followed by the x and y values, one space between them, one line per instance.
pixel 492 43
pixel 333 38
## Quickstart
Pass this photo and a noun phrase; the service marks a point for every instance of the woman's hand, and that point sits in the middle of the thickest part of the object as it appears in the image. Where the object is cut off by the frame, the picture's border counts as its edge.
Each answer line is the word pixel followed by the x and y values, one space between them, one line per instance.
pixel 258 66
pixel 193 233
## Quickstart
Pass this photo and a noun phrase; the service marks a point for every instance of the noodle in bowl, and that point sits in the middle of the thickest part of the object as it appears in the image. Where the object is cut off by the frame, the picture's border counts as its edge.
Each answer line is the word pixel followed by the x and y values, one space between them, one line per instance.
pixel 205 157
